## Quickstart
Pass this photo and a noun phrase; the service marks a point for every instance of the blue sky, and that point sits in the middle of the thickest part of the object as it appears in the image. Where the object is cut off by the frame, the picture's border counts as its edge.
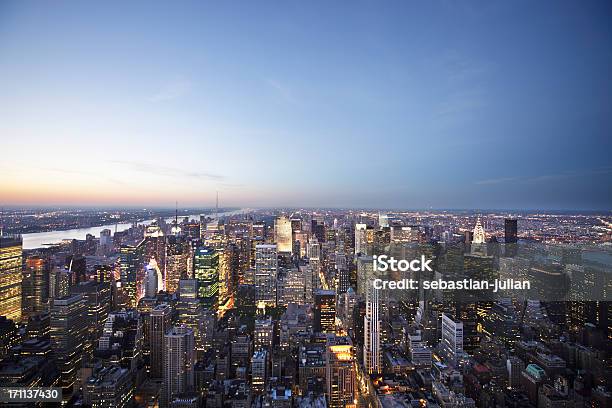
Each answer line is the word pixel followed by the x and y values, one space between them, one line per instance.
pixel 363 104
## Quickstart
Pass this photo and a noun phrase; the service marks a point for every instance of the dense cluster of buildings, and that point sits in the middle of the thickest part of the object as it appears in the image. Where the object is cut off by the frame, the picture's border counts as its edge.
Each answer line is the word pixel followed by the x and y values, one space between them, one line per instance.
pixel 276 309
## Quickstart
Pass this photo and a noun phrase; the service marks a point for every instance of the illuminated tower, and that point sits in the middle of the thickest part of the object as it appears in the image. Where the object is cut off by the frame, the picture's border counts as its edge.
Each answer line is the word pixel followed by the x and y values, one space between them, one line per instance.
pixel 131 260
pixel 192 314
pixel 360 239
pixel 150 283
pixel 341 378
pixel 479 233
pixel 35 286
pixel 325 311
pixel 206 272
pixel 372 329
pixel 283 234
pixel 155 248
pixel 177 256
pixel 10 277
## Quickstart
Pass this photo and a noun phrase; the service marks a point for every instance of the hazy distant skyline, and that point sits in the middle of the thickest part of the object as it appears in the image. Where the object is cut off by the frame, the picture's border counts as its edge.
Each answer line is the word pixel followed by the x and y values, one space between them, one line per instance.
pixel 307 104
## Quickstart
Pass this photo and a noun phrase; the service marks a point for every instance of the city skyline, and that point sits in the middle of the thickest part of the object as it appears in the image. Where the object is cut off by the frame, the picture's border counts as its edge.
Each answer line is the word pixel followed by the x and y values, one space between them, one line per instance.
pixel 438 105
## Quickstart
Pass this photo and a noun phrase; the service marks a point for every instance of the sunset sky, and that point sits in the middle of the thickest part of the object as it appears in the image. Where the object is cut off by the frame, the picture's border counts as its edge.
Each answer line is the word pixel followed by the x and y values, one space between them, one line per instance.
pixel 388 104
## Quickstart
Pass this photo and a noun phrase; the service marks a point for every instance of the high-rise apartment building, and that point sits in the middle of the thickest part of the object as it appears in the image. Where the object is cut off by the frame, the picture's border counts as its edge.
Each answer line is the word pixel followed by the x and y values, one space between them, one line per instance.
pixel 179 361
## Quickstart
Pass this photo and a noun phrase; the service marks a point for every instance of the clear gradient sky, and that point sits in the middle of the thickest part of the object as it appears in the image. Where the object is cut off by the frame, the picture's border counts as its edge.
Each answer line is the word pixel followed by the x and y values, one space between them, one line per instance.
pixel 408 104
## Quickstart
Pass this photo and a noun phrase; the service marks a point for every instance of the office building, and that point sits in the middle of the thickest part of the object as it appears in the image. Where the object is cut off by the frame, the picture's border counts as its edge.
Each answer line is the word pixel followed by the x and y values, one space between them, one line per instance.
pixel 452 336
pixel 325 311
pixel 372 332
pixel 206 272
pixel 68 337
pixel 510 231
pixel 259 371
pixel 266 272
pixel 340 376
pixel 159 324
pixel 10 276
pixel 179 361
pixel 283 234
pixel 35 286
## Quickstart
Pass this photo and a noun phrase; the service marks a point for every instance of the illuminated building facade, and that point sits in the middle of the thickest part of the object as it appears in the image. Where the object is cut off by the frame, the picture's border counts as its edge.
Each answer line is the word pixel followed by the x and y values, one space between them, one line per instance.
pixel 341 377
pixel 206 272
pixel 35 286
pixel 10 277
pixel 131 260
pixel 325 311
pixel 177 254
pixel 283 234
pixel 372 332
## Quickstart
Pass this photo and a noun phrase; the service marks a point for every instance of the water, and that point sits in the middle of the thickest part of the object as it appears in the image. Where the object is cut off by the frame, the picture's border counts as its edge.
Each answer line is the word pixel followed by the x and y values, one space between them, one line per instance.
pixel 41 239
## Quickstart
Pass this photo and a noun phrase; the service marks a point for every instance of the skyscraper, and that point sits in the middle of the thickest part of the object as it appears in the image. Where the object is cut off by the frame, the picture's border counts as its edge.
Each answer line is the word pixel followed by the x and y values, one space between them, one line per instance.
pixel 266 270
pixel 479 233
pixel 325 311
pixel 176 262
pixel 510 231
pixel 159 323
pixel 179 361
pixel 360 239
pixel 372 331
pixel 10 276
pixel 283 234
pixel 97 299
pixel 35 286
pixel 206 272
pixel 341 377
pixel 452 336
pixel 150 283
pixel 68 337
pixel 259 370
pixel 131 260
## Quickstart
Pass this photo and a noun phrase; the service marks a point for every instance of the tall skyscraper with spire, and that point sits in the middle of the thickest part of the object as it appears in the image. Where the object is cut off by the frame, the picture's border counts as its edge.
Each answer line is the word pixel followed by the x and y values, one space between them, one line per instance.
pixel 479 233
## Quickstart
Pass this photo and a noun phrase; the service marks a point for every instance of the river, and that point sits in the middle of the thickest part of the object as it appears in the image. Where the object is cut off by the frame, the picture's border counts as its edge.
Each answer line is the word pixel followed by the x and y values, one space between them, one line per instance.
pixel 42 239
